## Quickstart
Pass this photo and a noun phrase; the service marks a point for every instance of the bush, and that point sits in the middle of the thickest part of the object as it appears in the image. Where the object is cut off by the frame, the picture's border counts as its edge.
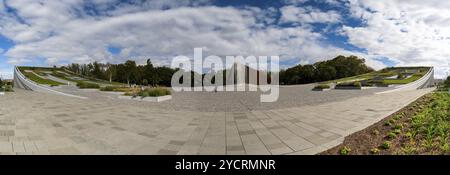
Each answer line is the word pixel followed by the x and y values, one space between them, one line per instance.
pixel 154 92
pixel 322 86
pixel 107 88
pixel 350 84
pixel 86 85
pixel 9 88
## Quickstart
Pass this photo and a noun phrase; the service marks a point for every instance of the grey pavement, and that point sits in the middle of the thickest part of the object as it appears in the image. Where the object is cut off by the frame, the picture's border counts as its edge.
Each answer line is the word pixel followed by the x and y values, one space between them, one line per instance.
pixel 290 96
pixel 206 123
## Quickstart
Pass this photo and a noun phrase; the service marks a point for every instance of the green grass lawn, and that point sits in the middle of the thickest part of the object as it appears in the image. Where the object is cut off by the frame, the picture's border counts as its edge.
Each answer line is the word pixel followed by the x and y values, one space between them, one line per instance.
pixel 404 81
pixel 39 80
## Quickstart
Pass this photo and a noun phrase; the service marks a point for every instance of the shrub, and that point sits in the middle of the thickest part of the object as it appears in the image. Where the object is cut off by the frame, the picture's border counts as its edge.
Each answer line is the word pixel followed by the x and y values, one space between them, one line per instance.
pixel 345 150
pixel 86 85
pixel 350 84
pixel 322 86
pixel 392 135
pixel 154 92
pixel 9 88
pixel 107 88
pixel 386 145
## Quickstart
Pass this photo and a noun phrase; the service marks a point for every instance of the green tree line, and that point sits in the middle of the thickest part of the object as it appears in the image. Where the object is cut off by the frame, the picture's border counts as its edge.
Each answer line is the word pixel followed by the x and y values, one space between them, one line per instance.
pixel 131 73
pixel 128 72
pixel 339 67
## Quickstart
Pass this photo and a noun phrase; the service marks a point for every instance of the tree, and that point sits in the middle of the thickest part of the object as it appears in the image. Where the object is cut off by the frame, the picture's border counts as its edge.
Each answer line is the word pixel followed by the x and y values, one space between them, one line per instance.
pixel 145 82
pixel 338 67
pixel 325 72
pixel 97 71
pixel 111 71
pixel 1 83
pixel 131 73
pixel 447 82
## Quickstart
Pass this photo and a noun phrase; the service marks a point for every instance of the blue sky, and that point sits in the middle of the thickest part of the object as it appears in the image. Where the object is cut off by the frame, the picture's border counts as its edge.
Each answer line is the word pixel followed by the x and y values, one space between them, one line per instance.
pixel 385 33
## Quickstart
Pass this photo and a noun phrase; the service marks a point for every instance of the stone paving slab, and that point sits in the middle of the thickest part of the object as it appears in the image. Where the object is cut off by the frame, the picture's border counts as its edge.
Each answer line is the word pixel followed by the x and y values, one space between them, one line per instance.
pixel 35 123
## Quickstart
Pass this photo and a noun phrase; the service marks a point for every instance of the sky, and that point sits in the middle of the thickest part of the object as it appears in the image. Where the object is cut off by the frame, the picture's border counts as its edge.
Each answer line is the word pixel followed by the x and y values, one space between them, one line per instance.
pixel 384 32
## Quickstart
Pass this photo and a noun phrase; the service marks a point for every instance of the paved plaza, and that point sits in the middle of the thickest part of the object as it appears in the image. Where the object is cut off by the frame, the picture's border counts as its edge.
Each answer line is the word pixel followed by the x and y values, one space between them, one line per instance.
pixel 301 122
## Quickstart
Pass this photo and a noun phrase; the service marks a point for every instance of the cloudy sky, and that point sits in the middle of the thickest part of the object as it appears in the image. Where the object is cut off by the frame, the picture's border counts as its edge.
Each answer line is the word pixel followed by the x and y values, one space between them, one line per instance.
pixel 385 32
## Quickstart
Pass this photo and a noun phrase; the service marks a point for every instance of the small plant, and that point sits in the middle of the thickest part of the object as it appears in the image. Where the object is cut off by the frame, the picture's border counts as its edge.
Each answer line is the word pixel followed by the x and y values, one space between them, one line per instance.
pixel 397 117
pixel 392 135
pixel 408 135
pixel 357 84
pixel 154 92
pixel 107 88
pixel 374 151
pixel 397 131
pixel 86 85
pixel 345 150
pixel 399 126
pixel 387 123
pixel 386 145
pixel 322 86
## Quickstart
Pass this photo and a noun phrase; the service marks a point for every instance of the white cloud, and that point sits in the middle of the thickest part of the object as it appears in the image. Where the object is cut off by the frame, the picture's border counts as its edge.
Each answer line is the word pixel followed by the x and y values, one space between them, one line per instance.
pixel 409 32
pixel 156 34
pixel 294 14
pixel 162 29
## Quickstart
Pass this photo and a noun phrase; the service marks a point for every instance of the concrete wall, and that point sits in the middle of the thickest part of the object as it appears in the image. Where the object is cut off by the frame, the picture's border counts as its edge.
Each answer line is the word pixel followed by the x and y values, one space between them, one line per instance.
pixel 20 81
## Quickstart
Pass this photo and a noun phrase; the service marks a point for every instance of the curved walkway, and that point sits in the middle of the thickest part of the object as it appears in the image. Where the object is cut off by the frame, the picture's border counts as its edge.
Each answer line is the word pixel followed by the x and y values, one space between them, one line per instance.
pixel 38 123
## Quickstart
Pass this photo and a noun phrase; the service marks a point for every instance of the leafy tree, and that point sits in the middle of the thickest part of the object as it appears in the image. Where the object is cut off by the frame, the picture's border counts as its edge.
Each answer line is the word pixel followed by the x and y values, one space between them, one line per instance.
pixel 145 82
pixel 447 82
pixel 131 71
pixel 325 72
pixel 338 67
pixel 97 71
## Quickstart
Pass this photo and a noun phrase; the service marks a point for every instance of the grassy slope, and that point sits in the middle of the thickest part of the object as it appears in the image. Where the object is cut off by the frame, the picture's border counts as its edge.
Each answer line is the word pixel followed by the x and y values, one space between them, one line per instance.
pixel 40 80
pixel 40 71
pixel 404 81
pixel 382 74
